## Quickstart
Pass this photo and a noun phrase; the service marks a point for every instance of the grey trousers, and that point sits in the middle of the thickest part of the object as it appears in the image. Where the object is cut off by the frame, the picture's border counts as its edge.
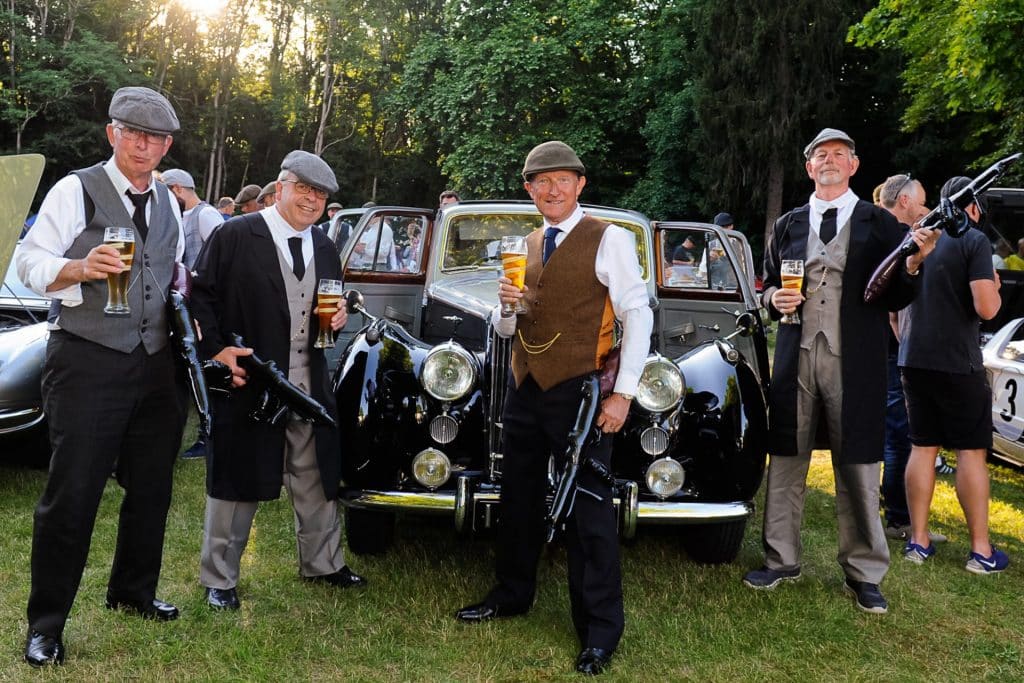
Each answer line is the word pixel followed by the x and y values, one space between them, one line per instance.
pixel 863 551
pixel 317 522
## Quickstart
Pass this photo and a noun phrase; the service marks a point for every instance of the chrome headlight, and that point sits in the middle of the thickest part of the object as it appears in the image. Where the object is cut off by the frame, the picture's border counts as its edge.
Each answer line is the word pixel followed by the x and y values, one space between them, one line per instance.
pixel 665 477
pixel 661 385
pixel 431 468
pixel 448 372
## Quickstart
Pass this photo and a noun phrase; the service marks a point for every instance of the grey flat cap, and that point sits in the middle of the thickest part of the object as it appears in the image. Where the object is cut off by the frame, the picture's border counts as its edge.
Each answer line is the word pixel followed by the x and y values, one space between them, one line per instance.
pixel 248 193
pixel 553 155
pixel 310 169
pixel 828 135
pixel 269 188
pixel 144 109
pixel 335 205
pixel 176 176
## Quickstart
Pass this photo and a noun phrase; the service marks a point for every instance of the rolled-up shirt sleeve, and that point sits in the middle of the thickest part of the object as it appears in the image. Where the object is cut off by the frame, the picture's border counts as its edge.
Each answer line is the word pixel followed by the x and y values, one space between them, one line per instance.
pixel 40 257
pixel 505 327
pixel 618 269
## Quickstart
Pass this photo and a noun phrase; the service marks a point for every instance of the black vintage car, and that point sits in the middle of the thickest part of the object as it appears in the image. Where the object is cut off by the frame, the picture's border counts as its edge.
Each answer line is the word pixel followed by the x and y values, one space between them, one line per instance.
pixel 421 382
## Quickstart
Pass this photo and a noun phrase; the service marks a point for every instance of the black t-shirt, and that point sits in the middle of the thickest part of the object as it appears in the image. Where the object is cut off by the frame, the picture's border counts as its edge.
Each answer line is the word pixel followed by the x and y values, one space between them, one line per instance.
pixel 684 255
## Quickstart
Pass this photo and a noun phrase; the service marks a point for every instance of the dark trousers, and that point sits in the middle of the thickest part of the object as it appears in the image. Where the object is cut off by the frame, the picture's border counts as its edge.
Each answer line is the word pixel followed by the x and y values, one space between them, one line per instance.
pixel 537 424
pixel 103 407
pixel 897 449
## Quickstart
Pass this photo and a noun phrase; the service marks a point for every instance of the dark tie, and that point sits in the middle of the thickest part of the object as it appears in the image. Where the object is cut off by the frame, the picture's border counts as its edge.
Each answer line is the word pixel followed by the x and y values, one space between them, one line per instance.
pixel 549 241
pixel 139 217
pixel 298 262
pixel 828 225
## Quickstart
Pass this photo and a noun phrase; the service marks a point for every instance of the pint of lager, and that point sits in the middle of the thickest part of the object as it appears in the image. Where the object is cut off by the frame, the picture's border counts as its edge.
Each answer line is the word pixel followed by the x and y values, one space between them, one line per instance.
pixel 328 298
pixel 122 239
pixel 513 260
pixel 792 273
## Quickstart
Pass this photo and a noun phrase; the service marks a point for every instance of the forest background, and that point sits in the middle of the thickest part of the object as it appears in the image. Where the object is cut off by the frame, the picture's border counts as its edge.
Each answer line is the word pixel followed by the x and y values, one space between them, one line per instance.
pixel 680 108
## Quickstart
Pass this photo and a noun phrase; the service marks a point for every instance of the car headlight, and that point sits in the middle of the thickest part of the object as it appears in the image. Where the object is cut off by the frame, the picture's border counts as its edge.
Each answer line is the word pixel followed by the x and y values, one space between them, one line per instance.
pixel 665 477
pixel 661 385
pixel 448 372
pixel 431 468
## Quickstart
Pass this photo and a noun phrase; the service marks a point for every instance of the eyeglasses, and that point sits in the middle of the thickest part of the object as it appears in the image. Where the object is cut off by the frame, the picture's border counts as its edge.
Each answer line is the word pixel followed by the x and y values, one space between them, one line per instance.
pixel 303 188
pixel 133 134
pixel 544 184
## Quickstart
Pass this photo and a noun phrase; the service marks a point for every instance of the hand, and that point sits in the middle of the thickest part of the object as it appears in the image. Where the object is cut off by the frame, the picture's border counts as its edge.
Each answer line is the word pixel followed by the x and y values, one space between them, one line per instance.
pixel 614 410
pixel 786 301
pixel 102 260
pixel 507 292
pixel 339 319
pixel 229 357
pixel 925 238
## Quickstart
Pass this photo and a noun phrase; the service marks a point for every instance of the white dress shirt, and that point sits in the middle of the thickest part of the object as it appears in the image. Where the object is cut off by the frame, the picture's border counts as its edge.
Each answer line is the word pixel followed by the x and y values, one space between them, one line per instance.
pixel 281 231
pixel 209 219
pixel 61 220
pixel 617 269
pixel 844 202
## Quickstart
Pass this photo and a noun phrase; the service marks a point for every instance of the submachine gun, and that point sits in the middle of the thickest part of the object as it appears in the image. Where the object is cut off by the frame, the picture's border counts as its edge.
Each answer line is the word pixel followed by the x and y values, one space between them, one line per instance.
pixel 183 340
pixel 948 215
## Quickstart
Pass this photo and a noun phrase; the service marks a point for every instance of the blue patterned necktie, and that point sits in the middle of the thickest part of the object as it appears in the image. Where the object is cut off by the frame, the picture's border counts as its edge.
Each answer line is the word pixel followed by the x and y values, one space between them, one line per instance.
pixel 549 241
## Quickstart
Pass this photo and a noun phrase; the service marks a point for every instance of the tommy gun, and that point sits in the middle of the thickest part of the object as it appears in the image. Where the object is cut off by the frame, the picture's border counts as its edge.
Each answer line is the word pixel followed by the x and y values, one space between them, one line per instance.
pixel 948 216
pixel 184 339
pixel 579 436
pixel 280 395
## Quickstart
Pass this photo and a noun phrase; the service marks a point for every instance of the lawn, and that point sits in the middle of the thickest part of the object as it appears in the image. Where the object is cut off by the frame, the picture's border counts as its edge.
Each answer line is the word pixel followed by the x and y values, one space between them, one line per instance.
pixel 684 621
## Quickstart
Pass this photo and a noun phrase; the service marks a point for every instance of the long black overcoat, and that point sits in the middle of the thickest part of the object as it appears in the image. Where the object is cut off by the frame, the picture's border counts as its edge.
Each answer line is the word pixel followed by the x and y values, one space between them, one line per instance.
pixel 864 332
pixel 239 289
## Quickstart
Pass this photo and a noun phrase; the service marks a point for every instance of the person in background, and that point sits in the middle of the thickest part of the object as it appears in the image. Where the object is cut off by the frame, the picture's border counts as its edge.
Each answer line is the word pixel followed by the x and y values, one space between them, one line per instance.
pixel 267 196
pixel 724 220
pixel 447 198
pixel 1000 251
pixel 226 206
pixel 332 210
pixel 1016 261
pixel 198 218
pixel 247 199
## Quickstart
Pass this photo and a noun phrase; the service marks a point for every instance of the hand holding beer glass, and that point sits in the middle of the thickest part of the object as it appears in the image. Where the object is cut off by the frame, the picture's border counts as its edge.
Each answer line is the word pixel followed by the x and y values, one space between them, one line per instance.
pixel 792 273
pixel 328 299
pixel 122 239
pixel 513 260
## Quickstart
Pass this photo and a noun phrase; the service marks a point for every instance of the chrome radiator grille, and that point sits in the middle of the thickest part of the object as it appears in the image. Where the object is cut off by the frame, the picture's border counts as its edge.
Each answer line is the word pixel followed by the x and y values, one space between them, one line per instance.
pixel 500 354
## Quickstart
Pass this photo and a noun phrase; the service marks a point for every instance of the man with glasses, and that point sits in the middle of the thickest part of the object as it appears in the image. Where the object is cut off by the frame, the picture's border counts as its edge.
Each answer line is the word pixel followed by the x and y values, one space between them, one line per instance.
pixel 257 277
pixel 109 390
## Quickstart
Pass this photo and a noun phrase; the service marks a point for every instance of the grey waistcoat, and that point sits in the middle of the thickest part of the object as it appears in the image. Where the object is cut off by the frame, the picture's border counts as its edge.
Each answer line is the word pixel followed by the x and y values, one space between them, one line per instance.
pixel 149 280
pixel 300 295
pixel 820 312
pixel 193 240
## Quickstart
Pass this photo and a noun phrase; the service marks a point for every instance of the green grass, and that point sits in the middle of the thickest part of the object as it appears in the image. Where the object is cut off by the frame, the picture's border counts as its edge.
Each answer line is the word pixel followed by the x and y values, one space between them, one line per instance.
pixel 684 621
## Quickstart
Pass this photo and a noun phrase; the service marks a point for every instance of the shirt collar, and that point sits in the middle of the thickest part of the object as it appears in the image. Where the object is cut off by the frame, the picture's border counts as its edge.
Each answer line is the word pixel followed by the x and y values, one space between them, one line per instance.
pixel 281 229
pixel 569 223
pixel 843 201
pixel 122 184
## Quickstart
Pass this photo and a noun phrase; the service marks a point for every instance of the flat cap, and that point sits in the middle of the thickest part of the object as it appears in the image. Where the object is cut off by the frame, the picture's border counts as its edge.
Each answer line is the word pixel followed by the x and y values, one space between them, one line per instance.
pixel 144 109
pixel 248 193
pixel 723 219
pixel 269 188
pixel 310 169
pixel 828 135
pixel 176 176
pixel 334 205
pixel 553 155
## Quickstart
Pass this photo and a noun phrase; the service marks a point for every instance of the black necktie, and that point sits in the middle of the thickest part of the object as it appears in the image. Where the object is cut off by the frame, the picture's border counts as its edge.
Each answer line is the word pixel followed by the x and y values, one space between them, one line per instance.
pixel 549 241
pixel 828 225
pixel 298 262
pixel 139 217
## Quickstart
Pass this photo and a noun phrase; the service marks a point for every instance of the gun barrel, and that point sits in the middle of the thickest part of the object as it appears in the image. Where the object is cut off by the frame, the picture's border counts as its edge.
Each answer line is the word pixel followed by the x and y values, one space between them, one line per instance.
pixel 183 337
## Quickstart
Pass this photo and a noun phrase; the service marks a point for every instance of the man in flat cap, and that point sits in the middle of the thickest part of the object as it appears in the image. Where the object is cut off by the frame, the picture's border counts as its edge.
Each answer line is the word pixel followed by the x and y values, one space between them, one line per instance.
pixel 247 200
pixel 109 390
pixel 268 195
pixel 581 267
pixel 723 220
pixel 258 278
pixel 830 366
pixel 198 218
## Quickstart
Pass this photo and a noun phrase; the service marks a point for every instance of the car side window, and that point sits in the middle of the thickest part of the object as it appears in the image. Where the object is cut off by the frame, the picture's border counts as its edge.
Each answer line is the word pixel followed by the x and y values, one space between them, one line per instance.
pixel 696 259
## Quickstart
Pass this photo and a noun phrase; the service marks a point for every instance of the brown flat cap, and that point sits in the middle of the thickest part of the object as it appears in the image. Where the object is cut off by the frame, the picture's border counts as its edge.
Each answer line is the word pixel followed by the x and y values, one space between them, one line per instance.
pixel 269 188
pixel 553 155
pixel 144 109
pixel 248 193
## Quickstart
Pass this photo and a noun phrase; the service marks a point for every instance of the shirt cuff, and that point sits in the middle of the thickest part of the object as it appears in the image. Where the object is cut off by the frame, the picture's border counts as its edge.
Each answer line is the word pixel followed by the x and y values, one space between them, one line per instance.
pixel 505 327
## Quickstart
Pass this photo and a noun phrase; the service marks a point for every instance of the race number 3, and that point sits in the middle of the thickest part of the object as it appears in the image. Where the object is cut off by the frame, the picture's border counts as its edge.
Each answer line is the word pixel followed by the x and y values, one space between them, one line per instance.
pixel 1006 416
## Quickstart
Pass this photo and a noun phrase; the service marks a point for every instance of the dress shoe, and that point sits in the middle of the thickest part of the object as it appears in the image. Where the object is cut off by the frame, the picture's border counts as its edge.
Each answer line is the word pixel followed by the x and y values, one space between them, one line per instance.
pixel 343 578
pixel 482 611
pixel 222 598
pixel 593 660
pixel 157 609
pixel 43 650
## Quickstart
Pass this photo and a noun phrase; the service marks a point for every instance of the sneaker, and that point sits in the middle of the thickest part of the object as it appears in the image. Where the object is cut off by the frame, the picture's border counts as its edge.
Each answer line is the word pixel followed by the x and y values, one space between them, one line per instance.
pixel 901 532
pixel 766 579
pixel 993 564
pixel 916 553
pixel 943 467
pixel 868 597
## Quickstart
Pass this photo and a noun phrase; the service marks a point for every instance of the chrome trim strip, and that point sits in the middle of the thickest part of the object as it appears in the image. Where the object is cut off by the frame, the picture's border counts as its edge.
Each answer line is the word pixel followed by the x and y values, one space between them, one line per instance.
pixel 12 416
pixel 669 512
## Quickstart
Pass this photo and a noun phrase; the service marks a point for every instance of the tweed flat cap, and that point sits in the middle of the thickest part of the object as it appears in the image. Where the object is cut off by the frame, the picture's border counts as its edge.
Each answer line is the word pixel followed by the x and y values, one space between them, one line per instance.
pixel 248 193
pixel 828 135
pixel 335 205
pixel 269 188
pixel 144 109
pixel 176 176
pixel 553 155
pixel 310 169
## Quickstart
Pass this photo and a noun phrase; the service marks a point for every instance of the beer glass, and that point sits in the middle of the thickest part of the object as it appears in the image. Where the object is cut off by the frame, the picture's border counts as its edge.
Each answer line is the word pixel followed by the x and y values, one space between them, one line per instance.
pixel 122 239
pixel 513 260
pixel 328 298
pixel 792 278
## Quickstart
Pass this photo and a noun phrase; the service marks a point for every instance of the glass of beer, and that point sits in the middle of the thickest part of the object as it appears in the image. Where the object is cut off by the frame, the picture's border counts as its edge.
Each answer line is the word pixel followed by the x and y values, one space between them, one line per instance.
pixel 792 278
pixel 122 239
pixel 328 299
pixel 513 260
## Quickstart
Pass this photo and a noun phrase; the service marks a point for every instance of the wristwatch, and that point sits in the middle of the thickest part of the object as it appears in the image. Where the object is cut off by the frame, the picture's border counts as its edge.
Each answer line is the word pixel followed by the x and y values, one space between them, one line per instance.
pixel 628 397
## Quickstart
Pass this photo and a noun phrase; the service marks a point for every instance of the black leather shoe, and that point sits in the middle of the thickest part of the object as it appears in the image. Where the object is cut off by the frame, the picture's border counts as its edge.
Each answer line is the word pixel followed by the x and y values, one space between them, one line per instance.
pixel 157 609
pixel 43 650
pixel 482 611
pixel 343 578
pixel 222 598
pixel 592 661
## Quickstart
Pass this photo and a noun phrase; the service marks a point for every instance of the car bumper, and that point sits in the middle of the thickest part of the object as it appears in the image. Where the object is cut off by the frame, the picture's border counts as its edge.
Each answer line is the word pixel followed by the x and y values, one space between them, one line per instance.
pixel 14 420
pixel 472 508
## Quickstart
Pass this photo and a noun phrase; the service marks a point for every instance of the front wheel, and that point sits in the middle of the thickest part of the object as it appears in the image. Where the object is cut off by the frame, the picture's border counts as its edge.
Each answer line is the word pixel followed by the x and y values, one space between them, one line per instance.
pixel 714 543
pixel 369 533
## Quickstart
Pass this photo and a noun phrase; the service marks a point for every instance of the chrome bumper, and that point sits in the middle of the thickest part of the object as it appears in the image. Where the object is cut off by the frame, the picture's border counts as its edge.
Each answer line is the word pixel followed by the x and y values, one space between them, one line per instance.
pixel 19 419
pixel 464 501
